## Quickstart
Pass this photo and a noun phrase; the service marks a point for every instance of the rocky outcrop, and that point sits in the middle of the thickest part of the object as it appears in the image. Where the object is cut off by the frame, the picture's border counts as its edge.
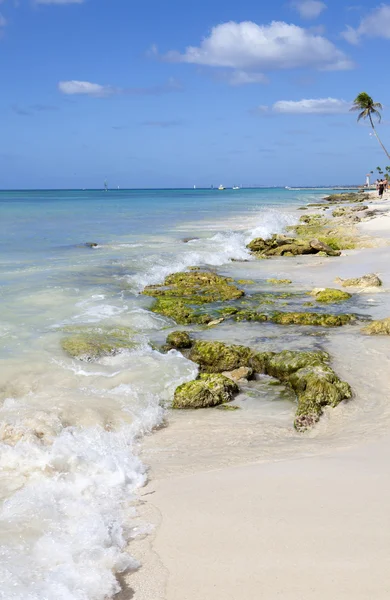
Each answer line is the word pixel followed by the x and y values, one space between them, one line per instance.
pixel 371 280
pixel 206 391
pixel 182 295
pixel 88 343
pixel 308 373
pixel 284 246
pixel 348 197
pixel 279 281
pixel 178 340
pixel 330 296
pixel 216 357
pixel 381 327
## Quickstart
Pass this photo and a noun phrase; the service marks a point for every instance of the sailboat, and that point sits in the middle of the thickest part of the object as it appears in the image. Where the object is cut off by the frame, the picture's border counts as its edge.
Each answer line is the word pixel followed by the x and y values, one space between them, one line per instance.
pixel 221 187
pixel 106 186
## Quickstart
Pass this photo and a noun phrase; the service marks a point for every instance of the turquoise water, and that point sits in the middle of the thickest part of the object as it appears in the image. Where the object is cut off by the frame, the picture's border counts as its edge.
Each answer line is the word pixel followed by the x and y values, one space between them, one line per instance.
pixel 69 429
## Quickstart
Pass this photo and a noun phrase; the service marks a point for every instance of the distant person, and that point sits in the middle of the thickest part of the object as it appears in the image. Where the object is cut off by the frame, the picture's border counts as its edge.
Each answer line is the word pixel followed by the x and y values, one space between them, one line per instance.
pixel 381 187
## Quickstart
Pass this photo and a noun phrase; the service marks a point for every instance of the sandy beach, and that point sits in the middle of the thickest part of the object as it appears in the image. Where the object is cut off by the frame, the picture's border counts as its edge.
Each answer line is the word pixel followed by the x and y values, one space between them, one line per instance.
pixel 232 521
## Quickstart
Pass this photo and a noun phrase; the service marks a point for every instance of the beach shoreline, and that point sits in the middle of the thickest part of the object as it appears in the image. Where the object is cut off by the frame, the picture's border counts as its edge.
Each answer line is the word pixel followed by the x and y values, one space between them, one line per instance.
pixel 298 526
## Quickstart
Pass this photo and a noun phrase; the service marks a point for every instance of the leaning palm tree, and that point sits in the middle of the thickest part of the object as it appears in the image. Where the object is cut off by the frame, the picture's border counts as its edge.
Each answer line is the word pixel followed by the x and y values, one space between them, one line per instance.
pixel 368 109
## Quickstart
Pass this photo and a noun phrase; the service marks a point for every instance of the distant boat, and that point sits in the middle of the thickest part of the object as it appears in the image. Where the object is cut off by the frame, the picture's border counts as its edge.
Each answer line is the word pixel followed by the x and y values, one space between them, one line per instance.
pixel 105 186
pixel 221 187
pixel 235 187
pixel 194 187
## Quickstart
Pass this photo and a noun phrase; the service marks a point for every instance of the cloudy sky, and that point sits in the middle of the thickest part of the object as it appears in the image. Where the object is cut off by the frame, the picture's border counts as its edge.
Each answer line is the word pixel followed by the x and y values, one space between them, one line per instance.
pixel 175 93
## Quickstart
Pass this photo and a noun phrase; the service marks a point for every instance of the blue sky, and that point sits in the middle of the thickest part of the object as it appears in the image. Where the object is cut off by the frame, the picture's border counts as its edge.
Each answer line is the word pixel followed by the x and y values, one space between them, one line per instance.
pixel 174 94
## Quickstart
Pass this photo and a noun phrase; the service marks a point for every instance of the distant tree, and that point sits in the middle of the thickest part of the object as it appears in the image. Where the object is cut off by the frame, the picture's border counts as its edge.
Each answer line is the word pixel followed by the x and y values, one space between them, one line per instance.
pixel 369 109
pixel 379 170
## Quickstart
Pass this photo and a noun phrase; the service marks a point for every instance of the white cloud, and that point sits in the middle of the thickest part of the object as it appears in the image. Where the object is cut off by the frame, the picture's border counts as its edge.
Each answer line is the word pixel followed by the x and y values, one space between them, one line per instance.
pixel 309 9
pixel 249 47
pixel 59 1
pixel 237 78
pixel 321 106
pixel 85 88
pixel 3 21
pixel 376 24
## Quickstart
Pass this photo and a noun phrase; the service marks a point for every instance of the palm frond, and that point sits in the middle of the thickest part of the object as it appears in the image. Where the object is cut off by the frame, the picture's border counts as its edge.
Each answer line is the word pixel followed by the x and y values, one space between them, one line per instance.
pixel 377 114
pixel 364 114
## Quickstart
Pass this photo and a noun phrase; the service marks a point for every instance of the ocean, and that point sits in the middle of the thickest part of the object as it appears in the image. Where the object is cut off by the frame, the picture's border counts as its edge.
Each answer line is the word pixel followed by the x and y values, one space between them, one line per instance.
pixel 70 430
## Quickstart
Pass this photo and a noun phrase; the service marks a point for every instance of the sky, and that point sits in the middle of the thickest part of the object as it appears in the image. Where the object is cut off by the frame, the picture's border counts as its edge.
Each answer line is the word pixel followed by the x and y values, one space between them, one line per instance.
pixel 175 94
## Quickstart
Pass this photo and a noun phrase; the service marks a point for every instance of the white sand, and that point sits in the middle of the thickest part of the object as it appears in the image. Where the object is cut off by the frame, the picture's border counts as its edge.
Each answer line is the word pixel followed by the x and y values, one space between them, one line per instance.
pixel 238 522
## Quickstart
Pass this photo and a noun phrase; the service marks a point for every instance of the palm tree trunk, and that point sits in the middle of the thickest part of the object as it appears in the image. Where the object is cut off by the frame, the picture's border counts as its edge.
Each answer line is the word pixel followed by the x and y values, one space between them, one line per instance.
pixel 378 138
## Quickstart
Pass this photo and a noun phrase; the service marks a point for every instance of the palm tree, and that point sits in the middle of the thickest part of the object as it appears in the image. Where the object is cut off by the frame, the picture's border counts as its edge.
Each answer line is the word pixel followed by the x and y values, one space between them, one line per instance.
pixel 368 109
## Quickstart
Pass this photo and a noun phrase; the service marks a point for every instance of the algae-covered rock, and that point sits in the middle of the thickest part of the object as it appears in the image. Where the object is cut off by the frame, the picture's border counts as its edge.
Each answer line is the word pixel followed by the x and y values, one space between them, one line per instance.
pixel 181 292
pixel 279 245
pixel 324 248
pixel 87 343
pixel 178 340
pixel 330 296
pixel 314 382
pixel 197 287
pixel 309 318
pixel 308 373
pixel 178 310
pixel 381 327
pixel 279 281
pixel 206 391
pixel 370 280
pixel 348 197
pixel 316 386
pixel 216 357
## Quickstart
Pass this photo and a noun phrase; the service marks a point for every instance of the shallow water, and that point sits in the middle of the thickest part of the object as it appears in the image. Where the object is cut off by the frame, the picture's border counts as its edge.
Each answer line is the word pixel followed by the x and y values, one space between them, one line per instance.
pixel 70 429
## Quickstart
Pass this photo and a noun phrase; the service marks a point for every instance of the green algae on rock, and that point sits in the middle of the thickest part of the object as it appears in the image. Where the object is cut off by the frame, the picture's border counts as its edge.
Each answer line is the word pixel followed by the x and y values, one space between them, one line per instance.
pixel 279 245
pixel 87 343
pixel 196 287
pixel 216 357
pixel 180 292
pixel 178 340
pixel 206 391
pixel 279 281
pixel 381 327
pixel 370 280
pixel 330 296
pixel 309 318
pixel 308 373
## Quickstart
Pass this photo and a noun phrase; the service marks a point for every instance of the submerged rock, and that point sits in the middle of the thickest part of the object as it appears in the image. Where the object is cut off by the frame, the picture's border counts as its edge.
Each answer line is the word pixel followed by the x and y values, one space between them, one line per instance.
pixel 206 391
pixel 217 357
pixel 371 280
pixel 381 327
pixel 87 343
pixel 178 340
pixel 330 296
pixel 181 292
pixel 309 318
pixel 91 245
pixel 279 281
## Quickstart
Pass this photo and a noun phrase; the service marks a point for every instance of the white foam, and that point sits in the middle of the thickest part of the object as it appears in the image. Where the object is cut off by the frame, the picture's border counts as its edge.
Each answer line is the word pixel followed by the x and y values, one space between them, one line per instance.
pixel 217 250
pixel 67 519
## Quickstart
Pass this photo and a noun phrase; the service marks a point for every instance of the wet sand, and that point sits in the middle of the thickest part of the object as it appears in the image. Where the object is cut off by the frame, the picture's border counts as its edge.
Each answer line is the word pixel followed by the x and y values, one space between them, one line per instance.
pixel 237 517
